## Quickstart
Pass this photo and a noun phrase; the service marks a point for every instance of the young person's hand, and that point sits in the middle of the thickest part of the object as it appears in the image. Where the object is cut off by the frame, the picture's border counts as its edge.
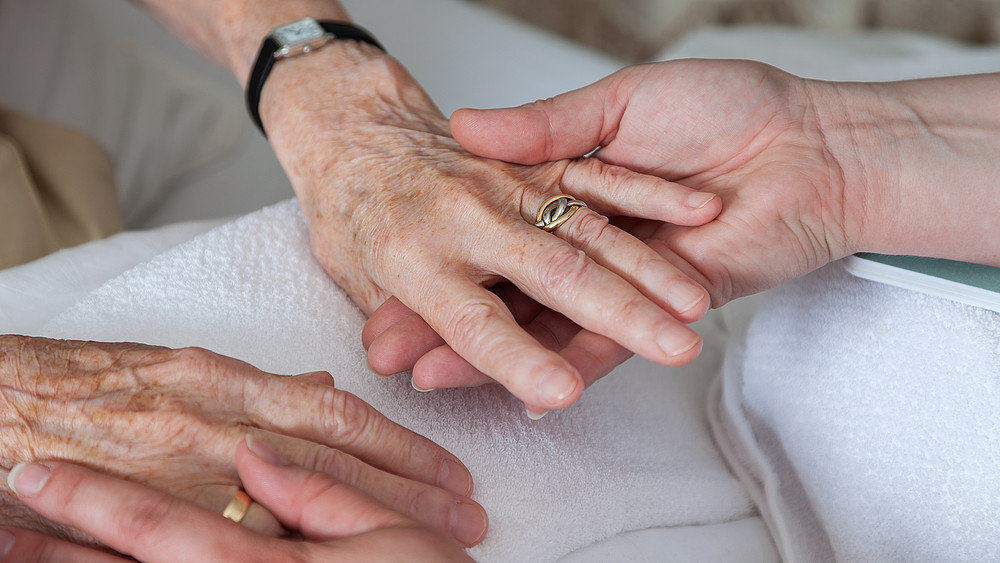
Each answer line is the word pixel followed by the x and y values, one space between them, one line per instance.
pixel 336 522
pixel 808 171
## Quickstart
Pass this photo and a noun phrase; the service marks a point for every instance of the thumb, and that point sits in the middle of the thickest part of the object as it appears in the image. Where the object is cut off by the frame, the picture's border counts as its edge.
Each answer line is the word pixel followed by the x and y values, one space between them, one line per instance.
pixel 566 126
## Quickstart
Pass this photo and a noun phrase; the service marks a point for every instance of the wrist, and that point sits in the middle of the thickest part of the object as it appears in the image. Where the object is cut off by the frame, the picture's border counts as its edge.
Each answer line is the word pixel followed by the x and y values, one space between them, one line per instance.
pixel 335 108
pixel 245 24
pixel 919 163
pixel 856 126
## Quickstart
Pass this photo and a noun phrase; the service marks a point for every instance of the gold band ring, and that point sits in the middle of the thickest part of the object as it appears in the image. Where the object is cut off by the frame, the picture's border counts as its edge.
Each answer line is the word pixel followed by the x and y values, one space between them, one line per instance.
pixel 238 506
pixel 555 211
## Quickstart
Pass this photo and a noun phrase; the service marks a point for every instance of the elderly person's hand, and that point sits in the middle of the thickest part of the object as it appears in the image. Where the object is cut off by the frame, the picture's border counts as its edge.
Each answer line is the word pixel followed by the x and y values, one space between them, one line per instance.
pixel 171 419
pixel 397 208
pixel 808 172
pixel 337 522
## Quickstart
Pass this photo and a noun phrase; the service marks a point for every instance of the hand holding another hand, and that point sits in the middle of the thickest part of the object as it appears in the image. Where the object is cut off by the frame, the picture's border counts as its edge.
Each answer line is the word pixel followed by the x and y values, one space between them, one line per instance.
pixel 793 194
pixel 336 521
pixel 397 207
pixel 746 131
pixel 171 419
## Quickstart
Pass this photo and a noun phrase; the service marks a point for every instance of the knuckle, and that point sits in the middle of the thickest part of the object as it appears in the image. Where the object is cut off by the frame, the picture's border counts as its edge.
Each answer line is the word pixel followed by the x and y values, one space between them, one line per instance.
pixel 630 311
pixel 334 463
pixel 648 264
pixel 143 518
pixel 468 323
pixel 564 267
pixel 194 363
pixel 347 417
pixel 615 176
pixel 423 504
pixel 590 228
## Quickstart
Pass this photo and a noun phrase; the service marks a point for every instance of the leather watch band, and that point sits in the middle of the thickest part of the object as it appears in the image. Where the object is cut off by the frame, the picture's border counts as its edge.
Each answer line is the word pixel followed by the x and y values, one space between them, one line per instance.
pixel 265 61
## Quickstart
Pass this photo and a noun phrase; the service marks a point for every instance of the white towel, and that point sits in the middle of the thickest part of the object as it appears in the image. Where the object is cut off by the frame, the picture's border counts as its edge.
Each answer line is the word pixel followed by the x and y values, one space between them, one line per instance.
pixel 866 420
pixel 635 453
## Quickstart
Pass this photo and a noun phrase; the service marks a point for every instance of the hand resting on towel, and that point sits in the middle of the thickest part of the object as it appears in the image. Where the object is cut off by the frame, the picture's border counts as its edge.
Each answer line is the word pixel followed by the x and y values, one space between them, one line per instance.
pixel 396 207
pixel 171 419
pixel 808 171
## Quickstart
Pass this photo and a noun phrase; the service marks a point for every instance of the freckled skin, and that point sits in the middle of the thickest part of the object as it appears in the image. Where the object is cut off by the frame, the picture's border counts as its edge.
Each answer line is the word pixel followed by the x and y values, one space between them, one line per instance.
pixel 172 419
pixel 379 184
pixel 396 207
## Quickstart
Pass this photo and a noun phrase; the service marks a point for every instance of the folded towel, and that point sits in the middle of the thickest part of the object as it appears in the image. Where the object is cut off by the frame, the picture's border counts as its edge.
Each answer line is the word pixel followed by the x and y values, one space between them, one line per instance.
pixel 635 453
pixel 865 418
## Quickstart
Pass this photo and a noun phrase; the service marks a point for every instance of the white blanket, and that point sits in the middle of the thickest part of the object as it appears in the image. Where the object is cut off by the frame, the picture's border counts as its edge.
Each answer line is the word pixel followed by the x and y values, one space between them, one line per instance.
pixel 866 420
pixel 863 418
pixel 635 453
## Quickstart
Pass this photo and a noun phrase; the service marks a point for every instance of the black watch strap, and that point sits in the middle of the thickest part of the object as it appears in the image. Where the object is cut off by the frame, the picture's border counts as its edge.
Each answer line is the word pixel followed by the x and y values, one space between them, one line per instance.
pixel 270 46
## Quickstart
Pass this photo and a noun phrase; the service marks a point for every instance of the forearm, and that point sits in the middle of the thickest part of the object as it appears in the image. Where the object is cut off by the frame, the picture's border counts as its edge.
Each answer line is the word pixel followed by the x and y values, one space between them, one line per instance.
pixel 333 87
pixel 924 157
pixel 230 31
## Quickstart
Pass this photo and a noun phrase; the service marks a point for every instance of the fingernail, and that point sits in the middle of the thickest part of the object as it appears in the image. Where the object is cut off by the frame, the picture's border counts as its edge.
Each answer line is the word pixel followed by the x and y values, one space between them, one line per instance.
pixel 555 386
pixel 27 478
pixel 535 415
pixel 684 296
pixel 264 451
pixel 697 200
pixel 413 384
pixel 6 542
pixel 467 523
pixel 455 478
pixel 677 340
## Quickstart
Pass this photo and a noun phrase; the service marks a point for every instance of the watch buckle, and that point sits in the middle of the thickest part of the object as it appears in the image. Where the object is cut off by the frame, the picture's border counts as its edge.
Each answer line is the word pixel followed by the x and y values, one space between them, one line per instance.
pixel 304 47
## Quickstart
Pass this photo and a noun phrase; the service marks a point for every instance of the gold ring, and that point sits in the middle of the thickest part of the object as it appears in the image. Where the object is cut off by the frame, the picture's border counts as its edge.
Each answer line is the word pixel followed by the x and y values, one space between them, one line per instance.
pixel 555 211
pixel 238 506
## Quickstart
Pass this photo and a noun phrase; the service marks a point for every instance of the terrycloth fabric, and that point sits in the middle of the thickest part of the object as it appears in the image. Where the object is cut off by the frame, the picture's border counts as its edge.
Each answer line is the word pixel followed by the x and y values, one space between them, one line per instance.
pixel 866 420
pixel 635 453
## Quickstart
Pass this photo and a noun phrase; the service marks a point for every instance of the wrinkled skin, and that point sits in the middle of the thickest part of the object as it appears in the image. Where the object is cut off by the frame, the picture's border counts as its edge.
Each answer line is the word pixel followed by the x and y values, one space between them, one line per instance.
pixel 172 419
pixel 745 131
pixel 396 207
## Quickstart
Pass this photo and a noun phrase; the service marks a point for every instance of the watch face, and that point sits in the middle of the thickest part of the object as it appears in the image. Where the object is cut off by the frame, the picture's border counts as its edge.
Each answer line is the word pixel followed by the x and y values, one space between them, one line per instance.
pixel 302 31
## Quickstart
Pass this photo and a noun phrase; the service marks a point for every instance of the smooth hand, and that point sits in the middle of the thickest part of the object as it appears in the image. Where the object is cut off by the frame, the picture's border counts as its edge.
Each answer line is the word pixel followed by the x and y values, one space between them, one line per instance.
pixel 396 207
pixel 171 419
pixel 336 521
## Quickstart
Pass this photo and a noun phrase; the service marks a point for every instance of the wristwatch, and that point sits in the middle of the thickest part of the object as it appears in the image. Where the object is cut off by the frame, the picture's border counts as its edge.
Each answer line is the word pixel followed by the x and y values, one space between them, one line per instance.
pixel 292 39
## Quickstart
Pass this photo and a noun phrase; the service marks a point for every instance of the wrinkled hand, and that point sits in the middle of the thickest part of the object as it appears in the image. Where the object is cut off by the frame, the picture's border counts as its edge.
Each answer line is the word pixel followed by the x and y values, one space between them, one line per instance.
pixel 742 130
pixel 171 419
pixel 397 207
pixel 337 522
